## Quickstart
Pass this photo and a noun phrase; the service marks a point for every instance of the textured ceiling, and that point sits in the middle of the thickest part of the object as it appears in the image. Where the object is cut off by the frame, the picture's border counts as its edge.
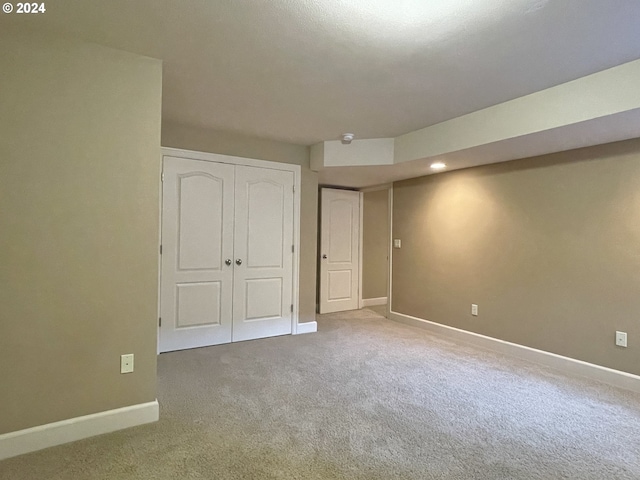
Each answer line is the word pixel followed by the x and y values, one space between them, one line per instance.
pixel 308 70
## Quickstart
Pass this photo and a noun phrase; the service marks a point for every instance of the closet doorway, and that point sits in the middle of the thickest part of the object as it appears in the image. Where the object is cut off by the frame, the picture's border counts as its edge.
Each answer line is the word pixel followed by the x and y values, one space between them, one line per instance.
pixel 228 250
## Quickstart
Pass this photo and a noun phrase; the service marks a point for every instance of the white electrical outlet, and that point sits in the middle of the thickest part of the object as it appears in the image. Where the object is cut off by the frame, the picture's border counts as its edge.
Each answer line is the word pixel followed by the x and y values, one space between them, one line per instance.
pixel 126 363
pixel 621 339
pixel 474 309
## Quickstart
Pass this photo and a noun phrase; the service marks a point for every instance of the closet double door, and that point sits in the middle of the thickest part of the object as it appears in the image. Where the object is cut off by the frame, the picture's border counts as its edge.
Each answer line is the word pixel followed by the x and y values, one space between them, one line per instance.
pixel 227 253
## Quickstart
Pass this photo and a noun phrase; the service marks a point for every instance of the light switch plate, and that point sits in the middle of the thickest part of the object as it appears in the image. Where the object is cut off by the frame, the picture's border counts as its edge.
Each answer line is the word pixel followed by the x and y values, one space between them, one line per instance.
pixel 397 243
pixel 126 363
pixel 621 339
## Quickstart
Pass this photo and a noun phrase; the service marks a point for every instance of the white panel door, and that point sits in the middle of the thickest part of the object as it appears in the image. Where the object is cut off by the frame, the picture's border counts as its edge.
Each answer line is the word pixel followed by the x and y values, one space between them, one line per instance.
pixel 339 250
pixel 263 263
pixel 197 240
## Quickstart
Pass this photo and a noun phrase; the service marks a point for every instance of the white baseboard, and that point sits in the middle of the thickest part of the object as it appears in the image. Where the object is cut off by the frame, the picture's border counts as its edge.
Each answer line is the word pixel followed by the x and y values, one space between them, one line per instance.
pixel 568 365
pixel 372 302
pixel 307 327
pixel 65 431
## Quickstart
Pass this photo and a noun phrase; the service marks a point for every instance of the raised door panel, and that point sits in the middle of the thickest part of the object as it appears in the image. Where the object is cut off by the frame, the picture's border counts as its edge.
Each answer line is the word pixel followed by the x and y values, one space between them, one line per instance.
pixel 266 224
pixel 341 217
pixel 340 285
pixel 263 249
pixel 198 304
pixel 200 229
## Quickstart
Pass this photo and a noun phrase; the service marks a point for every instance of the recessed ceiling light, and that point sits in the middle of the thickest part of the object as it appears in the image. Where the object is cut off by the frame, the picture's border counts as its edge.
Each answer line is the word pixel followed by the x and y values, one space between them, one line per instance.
pixel 438 166
pixel 347 138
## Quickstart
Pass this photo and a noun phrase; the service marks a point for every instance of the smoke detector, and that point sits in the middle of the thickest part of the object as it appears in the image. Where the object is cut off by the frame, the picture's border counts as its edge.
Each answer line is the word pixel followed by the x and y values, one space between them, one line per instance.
pixel 347 138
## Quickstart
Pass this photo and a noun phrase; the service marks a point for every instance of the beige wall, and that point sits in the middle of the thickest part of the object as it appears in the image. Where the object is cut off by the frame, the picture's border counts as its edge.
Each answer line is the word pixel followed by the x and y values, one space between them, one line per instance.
pixel 548 247
pixel 192 138
pixel 79 166
pixel 375 243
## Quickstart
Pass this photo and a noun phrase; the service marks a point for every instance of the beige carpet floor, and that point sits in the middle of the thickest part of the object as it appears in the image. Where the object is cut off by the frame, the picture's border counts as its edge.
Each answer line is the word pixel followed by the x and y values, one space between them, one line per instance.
pixel 364 398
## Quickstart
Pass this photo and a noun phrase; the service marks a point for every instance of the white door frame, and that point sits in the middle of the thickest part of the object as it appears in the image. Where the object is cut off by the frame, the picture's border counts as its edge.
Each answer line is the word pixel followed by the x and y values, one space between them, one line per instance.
pixel 390 267
pixel 360 245
pixel 251 162
pixel 389 187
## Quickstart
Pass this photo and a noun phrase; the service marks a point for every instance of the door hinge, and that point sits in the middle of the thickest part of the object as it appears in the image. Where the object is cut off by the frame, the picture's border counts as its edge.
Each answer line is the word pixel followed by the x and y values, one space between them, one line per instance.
pixel 293 248
pixel 292 308
pixel 162 177
pixel 160 249
pixel 159 321
pixel 294 189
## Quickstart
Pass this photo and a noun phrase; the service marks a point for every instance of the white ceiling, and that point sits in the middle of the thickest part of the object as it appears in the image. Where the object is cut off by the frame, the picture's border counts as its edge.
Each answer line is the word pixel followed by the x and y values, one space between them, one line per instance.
pixel 304 71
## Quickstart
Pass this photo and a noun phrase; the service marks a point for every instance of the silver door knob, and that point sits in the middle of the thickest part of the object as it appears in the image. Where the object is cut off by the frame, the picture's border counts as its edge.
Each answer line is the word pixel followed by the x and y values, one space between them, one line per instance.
pixel 238 261
pixel 228 261
pixel 324 255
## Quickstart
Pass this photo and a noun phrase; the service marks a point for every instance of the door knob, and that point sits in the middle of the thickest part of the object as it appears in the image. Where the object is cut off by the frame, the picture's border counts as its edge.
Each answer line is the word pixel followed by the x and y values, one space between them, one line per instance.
pixel 324 255
pixel 228 261
pixel 238 261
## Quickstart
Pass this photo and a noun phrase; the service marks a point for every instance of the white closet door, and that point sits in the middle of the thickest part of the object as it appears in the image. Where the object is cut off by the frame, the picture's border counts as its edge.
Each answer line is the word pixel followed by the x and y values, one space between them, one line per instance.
pixel 197 237
pixel 263 263
pixel 339 249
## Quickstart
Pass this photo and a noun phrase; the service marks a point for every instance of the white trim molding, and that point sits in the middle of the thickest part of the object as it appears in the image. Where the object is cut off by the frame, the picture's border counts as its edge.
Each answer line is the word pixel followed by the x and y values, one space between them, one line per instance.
pixel 567 365
pixel 390 264
pixel 65 431
pixel 371 302
pixel 307 327
pixel 360 246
